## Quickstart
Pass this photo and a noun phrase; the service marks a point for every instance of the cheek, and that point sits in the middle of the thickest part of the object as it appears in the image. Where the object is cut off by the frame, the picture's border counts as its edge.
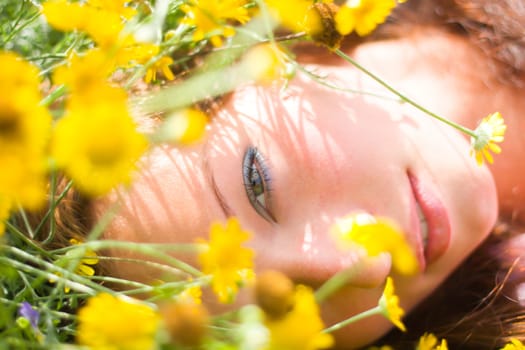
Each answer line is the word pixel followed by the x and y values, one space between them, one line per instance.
pixel 468 193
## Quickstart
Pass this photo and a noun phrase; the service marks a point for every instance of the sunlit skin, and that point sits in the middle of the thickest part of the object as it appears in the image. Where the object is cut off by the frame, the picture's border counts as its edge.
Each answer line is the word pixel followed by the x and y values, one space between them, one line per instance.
pixel 330 154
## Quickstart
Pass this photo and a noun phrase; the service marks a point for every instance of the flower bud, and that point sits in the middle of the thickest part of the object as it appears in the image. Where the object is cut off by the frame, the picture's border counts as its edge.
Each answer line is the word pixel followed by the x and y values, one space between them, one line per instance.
pixel 274 293
pixel 185 322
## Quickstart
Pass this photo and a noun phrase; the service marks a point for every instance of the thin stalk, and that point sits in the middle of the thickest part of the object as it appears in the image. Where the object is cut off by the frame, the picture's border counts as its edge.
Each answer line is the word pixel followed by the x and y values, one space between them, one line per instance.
pixel 53 96
pixel 374 311
pixel 14 230
pixel 50 211
pixel 52 205
pixel 29 229
pixel 320 80
pixel 335 283
pixel 50 271
pixel 153 250
pixel 166 269
pixel 403 97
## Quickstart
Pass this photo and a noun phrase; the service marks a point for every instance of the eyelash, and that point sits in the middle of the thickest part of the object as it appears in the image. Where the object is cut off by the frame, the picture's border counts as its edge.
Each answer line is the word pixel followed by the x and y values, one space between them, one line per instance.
pixel 255 173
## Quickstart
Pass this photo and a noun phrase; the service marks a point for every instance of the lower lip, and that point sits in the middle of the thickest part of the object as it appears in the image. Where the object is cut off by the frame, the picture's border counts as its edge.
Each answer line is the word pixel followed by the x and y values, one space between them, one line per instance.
pixel 437 220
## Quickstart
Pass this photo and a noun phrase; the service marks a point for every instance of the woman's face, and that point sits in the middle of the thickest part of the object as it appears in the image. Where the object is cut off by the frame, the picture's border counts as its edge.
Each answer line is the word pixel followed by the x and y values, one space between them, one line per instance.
pixel 322 154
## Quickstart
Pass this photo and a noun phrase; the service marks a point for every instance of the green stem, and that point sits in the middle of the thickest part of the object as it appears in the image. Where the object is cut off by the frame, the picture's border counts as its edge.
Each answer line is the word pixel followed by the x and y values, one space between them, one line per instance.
pixel 322 81
pixel 53 96
pixel 14 230
pixel 335 283
pixel 403 97
pixel 374 311
pixel 153 250
pixel 49 214
pixel 50 271
pixel 27 225
pixel 167 270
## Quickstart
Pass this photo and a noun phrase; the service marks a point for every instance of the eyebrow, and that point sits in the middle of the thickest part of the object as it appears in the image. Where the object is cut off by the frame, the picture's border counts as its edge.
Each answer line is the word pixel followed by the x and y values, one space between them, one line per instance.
pixel 221 199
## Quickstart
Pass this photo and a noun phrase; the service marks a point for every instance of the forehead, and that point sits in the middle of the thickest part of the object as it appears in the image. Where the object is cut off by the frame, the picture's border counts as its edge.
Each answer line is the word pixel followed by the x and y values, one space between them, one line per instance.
pixel 304 118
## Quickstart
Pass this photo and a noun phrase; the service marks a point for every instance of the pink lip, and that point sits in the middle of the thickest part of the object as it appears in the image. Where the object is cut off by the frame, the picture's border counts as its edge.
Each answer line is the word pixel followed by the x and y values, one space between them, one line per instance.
pixel 437 221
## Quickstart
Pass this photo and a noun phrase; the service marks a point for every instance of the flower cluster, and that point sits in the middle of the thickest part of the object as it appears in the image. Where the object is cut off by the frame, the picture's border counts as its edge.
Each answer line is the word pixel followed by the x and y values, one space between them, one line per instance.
pixel 72 129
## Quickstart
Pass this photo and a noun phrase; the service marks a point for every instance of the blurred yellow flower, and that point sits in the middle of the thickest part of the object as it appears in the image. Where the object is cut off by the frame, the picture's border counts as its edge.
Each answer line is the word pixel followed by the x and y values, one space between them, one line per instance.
pixel 376 235
pixel 120 7
pixel 186 324
pixel 192 295
pixel 185 127
pixel 389 304
pixel 514 344
pixel 490 131
pixel 96 143
pixel 301 328
pixel 428 341
pixel 141 54
pixel 107 322
pixel 103 21
pixel 362 16
pixel 226 260
pixel 24 133
pixel 66 16
pixel 265 62
pixel 214 16
pixel 296 15
pixel 83 74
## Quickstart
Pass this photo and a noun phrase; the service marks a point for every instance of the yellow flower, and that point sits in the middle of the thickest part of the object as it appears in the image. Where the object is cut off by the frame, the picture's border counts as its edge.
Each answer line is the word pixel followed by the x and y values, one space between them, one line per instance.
pixel 296 15
pixel 97 143
pixel 141 54
pixel 119 7
pixel 226 259
pixel 514 344
pixel 301 328
pixel 163 65
pixel 24 132
pixel 103 21
pixel 107 322
pixel 489 131
pixel 84 268
pixel 265 62
pixel 376 235
pixel 66 16
pixel 185 127
pixel 186 324
pixel 191 294
pixel 363 16
pixel 85 73
pixel 389 303
pixel 212 16
pixel 428 341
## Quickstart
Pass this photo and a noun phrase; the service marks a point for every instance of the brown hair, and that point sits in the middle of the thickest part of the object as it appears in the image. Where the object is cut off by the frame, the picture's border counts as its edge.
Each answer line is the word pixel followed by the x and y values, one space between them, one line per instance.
pixel 496 27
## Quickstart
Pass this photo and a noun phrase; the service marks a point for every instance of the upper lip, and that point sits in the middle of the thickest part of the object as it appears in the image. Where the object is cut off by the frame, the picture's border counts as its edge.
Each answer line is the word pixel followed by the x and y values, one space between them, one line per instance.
pixel 437 222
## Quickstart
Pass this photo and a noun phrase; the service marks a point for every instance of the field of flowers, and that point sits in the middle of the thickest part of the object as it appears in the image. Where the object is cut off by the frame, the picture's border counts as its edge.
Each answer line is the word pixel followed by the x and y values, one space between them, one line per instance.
pixel 74 77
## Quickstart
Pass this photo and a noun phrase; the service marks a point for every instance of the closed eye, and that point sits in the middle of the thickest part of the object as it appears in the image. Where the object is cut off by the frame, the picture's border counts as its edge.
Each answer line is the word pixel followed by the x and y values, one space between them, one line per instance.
pixel 257 183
